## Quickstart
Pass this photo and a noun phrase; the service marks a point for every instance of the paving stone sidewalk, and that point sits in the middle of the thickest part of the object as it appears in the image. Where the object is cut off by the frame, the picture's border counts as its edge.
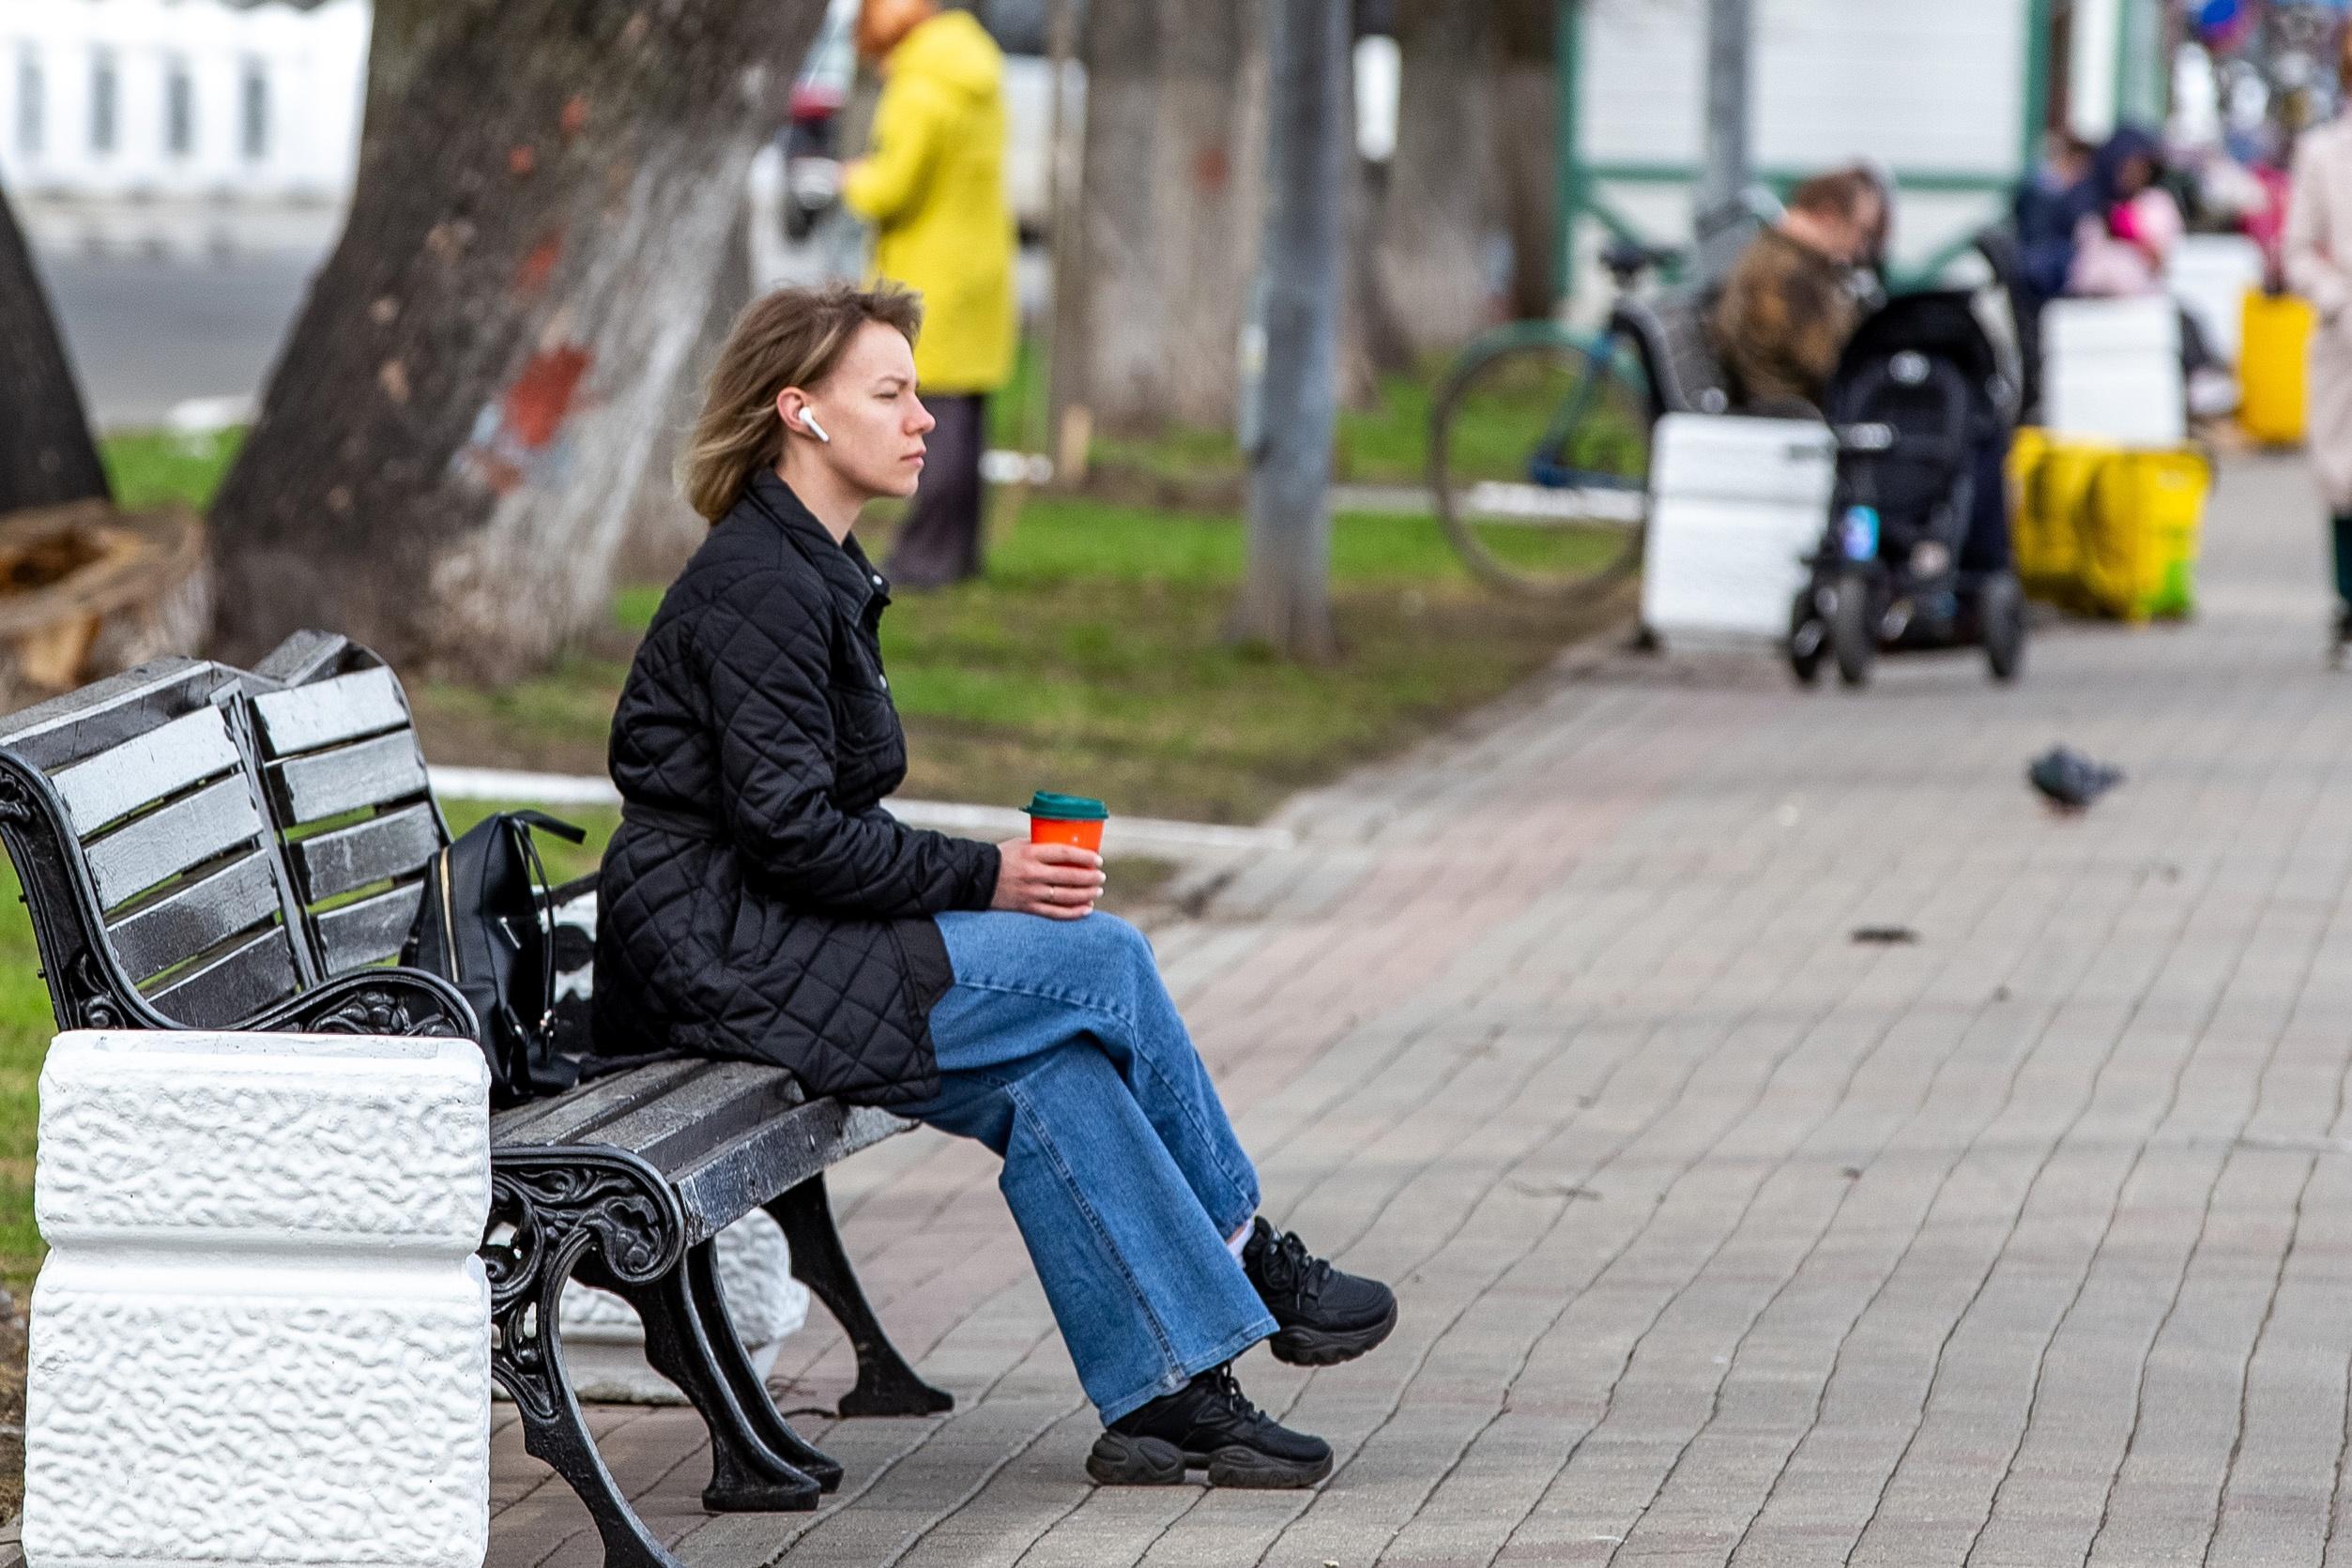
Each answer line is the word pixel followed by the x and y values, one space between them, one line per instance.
pixel 1721 1235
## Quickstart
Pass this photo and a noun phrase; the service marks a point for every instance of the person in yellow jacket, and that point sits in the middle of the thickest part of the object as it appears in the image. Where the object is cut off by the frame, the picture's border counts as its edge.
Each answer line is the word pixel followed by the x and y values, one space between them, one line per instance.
pixel 932 185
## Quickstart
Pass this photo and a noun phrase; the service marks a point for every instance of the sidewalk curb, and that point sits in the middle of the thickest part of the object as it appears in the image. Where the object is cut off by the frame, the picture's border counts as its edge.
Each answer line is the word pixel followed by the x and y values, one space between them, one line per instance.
pixel 1139 835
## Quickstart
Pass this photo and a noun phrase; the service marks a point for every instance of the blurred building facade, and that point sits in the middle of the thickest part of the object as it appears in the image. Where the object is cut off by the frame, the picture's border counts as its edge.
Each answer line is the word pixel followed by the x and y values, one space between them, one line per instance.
pixel 1952 99
pixel 170 100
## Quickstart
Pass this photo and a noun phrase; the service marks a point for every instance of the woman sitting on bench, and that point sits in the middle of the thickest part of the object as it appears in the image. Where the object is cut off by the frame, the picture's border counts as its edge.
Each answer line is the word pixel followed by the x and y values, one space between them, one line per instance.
pixel 757 903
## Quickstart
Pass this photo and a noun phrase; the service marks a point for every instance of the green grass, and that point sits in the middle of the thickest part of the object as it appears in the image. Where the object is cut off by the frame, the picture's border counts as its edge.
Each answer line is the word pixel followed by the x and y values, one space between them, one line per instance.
pixel 1384 443
pixel 25 1028
pixel 1387 442
pixel 149 467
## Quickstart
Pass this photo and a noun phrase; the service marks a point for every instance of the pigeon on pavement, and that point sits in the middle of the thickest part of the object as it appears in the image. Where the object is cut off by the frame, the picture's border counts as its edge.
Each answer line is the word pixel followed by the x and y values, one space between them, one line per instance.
pixel 2070 781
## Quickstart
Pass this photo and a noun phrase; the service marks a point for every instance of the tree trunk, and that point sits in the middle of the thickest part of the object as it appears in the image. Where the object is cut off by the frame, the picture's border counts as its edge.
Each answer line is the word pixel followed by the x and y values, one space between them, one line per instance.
pixel 46 454
pixel 1439 216
pixel 1149 312
pixel 445 454
pixel 662 530
pixel 1286 597
pixel 1526 145
pixel 400 34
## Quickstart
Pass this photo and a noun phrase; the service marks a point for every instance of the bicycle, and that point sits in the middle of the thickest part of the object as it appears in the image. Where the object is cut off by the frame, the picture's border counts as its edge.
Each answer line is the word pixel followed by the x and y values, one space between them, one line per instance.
pixel 1539 438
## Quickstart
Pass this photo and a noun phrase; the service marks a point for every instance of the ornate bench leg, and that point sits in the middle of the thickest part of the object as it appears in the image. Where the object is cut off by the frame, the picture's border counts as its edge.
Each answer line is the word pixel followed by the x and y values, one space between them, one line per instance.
pixel 887 1386
pixel 548 1211
pixel 526 1358
pixel 735 1364
pixel 746 1475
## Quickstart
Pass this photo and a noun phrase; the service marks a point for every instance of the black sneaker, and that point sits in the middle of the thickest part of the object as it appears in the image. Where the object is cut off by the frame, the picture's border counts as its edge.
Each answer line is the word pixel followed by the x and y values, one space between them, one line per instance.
pixel 1206 1424
pixel 1325 1316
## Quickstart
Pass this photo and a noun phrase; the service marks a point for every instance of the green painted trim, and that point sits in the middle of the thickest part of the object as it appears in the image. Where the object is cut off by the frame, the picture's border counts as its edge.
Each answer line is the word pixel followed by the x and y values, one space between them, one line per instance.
pixel 1569 181
pixel 1598 208
pixel 1784 180
pixel 2123 61
pixel 2040 15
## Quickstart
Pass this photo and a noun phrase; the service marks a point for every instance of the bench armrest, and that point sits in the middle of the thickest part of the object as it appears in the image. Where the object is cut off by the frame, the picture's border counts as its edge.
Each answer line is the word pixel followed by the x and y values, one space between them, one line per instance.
pixel 374 1001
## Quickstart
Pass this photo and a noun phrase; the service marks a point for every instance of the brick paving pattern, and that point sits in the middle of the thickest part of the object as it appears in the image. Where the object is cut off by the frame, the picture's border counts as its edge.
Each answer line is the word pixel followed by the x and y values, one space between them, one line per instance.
pixel 1722 1237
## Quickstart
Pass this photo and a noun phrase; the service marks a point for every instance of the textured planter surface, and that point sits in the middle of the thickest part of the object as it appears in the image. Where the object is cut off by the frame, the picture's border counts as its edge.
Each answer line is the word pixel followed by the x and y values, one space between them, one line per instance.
pixel 262 1335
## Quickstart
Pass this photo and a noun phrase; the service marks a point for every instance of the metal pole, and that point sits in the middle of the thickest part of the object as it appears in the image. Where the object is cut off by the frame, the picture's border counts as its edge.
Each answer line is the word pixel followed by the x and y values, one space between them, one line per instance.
pixel 1292 358
pixel 1061 188
pixel 1718 208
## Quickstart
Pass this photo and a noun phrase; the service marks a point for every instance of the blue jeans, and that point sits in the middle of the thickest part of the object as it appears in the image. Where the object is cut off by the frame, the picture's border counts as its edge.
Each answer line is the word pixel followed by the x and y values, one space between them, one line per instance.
pixel 1060 1048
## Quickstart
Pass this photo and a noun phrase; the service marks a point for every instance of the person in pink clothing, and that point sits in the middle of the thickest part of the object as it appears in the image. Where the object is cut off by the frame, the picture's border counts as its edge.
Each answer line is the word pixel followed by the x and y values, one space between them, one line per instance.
pixel 2318 252
pixel 2120 248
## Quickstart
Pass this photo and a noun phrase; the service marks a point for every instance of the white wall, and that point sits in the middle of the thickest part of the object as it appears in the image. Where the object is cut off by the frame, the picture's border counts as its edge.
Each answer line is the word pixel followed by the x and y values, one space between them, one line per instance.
pixel 312 64
pixel 1926 89
pixel 1937 86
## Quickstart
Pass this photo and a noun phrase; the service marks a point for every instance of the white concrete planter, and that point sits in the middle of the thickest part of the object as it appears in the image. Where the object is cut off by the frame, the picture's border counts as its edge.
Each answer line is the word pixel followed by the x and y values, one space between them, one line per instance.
pixel 262 1335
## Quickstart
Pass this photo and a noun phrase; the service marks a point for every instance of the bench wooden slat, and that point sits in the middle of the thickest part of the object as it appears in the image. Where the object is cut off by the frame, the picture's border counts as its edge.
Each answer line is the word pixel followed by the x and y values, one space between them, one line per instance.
pixel 372 928
pixel 573 1118
pixel 193 916
pixel 327 784
pixel 732 1098
pixel 64 730
pixel 236 984
pixel 746 1170
pixel 303 657
pixel 152 766
pixel 329 712
pixel 376 850
pixel 164 843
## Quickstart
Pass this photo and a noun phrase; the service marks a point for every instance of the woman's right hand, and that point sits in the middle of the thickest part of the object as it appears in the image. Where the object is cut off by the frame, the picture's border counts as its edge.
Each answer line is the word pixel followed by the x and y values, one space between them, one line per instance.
pixel 1059 882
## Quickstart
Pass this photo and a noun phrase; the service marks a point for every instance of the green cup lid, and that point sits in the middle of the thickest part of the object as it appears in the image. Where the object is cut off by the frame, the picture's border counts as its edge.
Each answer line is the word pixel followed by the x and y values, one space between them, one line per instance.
pixel 1067 808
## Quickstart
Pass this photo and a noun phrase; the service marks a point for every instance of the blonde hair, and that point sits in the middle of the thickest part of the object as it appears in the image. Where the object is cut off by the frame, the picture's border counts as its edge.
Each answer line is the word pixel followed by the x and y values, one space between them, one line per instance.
pixel 793 336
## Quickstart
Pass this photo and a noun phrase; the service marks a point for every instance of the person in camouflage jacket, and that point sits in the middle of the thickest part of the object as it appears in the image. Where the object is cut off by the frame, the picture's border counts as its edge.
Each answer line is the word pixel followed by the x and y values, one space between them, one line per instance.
pixel 1791 301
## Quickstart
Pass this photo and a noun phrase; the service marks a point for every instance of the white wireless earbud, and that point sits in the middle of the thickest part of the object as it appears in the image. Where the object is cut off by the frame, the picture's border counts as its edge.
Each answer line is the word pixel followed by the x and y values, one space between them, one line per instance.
pixel 808 423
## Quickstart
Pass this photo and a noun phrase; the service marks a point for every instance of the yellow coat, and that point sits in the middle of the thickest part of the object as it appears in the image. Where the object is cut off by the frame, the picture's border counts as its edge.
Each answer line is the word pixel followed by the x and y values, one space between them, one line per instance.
pixel 933 187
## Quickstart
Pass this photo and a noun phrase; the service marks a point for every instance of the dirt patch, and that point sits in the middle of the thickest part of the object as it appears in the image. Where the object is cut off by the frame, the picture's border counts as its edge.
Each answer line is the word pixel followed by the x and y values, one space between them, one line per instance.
pixel 11 1408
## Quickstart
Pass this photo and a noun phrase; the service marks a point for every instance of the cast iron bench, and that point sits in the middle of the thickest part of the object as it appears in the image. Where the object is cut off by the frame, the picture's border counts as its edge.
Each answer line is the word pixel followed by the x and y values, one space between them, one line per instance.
pixel 203 847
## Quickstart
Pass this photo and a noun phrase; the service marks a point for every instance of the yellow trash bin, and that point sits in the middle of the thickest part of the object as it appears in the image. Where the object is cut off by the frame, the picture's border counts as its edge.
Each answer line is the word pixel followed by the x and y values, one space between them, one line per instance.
pixel 2273 361
pixel 2053 484
pixel 2140 532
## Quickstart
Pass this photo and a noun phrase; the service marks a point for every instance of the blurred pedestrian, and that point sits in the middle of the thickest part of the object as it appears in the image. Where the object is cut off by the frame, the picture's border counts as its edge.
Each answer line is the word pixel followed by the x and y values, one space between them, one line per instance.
pixel 2121 244
pixel 2050 205
pixel 2319 267
pixel 933 187
pixel 1796 293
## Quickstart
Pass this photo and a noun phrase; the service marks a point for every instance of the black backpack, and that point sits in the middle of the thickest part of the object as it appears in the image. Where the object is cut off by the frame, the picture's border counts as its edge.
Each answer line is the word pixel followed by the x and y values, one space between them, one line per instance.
pixel 483 925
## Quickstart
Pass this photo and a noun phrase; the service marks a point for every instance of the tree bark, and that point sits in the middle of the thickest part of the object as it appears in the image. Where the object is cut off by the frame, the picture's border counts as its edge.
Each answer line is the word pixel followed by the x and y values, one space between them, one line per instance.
pixel 445 458
pixel 662 531
pixel 1438 215
pixel 47 457
pixel 1526 145
pixel 400 34
pixel 1149 310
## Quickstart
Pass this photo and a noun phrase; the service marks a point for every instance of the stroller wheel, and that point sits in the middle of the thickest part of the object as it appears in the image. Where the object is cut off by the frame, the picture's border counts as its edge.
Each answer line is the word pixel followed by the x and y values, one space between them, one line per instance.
pixel 2001 615
pixel 1809 640
pixel 1852 636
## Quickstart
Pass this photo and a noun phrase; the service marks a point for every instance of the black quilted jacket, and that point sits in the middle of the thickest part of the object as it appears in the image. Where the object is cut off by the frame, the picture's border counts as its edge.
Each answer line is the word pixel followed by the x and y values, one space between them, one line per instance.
pixel 757 903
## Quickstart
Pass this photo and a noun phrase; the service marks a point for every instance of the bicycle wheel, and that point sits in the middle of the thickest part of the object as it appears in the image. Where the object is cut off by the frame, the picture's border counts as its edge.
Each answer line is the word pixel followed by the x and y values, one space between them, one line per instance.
pixel 1540 456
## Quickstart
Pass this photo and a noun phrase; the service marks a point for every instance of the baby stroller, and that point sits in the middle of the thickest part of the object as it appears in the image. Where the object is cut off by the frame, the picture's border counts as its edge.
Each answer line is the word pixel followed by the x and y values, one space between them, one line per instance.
pixel 1921 412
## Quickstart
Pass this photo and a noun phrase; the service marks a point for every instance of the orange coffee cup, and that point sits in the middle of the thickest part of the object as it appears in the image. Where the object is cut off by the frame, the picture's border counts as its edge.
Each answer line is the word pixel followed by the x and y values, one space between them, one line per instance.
pixel 1066 819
